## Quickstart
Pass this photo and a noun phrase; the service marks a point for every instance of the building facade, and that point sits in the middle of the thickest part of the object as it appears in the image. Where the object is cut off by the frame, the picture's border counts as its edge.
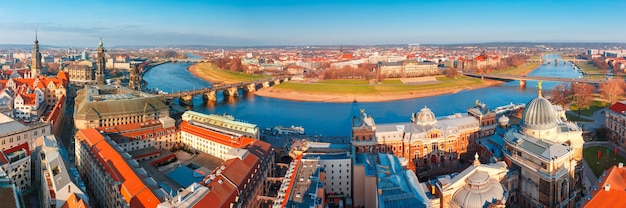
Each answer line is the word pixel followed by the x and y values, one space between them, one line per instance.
pixel 100 74
pixel 35 66
pixel 59 189
pixel 615 121
pixel 426 140
pixel 16 162
pixel 160 134
pixel 547 153
pixel 103 105
pixel 486 118
pixel 111 175
pixel 407 68
pixel 13 133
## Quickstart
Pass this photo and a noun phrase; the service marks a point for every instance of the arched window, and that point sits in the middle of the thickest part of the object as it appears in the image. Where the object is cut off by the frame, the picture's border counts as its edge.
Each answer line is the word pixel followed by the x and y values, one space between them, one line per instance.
pixel 416 155
pixel 564 190
pixel 450 149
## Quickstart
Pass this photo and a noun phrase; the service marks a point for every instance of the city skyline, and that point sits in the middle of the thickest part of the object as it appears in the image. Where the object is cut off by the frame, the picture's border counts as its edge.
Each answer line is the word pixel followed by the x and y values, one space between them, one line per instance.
pixel 244 23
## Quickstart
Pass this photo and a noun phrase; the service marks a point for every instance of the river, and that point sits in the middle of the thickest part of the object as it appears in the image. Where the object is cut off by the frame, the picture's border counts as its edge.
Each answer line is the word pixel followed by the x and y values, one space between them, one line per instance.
pixel 334 119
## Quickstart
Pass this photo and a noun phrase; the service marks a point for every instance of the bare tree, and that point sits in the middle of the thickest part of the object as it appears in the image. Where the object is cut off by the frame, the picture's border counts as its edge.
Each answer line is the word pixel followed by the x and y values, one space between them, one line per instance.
pixel 583 95
pixel 559 94
pixel 611 90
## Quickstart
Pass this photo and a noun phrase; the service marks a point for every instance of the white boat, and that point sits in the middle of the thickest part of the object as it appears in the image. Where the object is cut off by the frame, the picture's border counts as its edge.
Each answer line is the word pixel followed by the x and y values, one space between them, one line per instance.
pixel 508 108
pixel 288 130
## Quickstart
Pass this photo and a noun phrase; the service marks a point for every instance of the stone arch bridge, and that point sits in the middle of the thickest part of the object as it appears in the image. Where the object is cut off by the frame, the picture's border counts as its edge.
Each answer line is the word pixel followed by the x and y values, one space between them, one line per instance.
pixel 209 93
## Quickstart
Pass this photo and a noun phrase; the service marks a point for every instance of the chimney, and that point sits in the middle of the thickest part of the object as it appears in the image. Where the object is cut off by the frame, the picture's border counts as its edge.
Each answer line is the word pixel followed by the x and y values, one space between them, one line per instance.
pixel 69 189
pixel 607 187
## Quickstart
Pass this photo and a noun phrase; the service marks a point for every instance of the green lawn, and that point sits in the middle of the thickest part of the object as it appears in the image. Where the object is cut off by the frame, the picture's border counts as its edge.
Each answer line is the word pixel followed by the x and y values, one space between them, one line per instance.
pixel 346 81
pixel 387 87
pixel 598 165
pixel 588 68
pixel 523 69
pixel 210 71
pixel 595 106
pixel 574 117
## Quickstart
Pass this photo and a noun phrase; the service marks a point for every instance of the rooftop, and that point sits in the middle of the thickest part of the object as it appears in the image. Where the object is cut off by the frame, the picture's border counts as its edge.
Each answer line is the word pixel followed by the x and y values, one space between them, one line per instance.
pixel 610 190
pixel 132 187
pixel 398 187
pixel 540 147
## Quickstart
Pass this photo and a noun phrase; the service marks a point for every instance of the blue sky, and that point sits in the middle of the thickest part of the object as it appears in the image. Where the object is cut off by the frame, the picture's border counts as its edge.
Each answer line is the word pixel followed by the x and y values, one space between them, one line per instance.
pixel 308 22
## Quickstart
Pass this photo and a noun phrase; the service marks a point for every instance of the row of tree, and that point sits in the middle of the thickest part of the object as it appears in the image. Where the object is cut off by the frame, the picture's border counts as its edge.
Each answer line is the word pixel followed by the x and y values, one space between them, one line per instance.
pixel 362 71
pixel 582 94
pixel 233 64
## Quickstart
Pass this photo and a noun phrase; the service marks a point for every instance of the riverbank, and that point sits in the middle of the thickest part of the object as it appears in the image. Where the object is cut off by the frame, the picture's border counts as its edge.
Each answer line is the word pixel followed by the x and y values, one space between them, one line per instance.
pixel 209 73
pixel 342 91
pixel 286 94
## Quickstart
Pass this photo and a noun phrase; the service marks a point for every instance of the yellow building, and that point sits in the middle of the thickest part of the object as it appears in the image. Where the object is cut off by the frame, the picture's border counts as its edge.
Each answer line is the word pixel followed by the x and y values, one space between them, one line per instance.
pixel 103 105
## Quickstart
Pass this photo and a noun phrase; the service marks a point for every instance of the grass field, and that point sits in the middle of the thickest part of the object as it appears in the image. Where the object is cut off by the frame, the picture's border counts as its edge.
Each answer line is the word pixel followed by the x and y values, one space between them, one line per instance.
pixel 523 69
pixel 598 165
pixel 211 72
pixel 573 116
pixel 588 68
pixel 387 87
pixel 595 106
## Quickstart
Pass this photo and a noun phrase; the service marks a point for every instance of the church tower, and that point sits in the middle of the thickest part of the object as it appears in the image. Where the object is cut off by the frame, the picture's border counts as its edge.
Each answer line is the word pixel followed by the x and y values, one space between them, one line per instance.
pixel 35 66
pixel 100 65
pixel 135 79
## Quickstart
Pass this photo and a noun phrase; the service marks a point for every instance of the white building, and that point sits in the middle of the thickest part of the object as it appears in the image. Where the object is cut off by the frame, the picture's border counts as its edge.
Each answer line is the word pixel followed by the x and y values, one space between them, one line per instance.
pixel 55 177
pixel 160 134
pixel 480 185
pixel 14 133
pixel 337 167
pixel 16 163
pixel 547 151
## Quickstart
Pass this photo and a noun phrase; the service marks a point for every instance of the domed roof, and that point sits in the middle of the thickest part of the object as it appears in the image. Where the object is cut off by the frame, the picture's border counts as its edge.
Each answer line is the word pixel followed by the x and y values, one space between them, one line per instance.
pixel 424 117
pixel 503 120
pixel 539 114
pixel 479 191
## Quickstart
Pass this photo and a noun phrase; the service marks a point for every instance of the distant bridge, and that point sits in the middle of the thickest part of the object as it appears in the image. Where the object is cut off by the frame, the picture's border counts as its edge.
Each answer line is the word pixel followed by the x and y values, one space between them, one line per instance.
pixel 188 60
pixel 523 78
pixel 208 93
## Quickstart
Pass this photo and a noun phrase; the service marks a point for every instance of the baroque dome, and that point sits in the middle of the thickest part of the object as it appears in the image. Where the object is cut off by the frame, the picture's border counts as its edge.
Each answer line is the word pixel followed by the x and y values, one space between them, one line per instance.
pixel 479 191
pixel 539 114
pixel 424 117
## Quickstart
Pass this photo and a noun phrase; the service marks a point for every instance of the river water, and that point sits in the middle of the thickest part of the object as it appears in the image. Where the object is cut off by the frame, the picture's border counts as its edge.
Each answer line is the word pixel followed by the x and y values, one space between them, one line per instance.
pixel 334 119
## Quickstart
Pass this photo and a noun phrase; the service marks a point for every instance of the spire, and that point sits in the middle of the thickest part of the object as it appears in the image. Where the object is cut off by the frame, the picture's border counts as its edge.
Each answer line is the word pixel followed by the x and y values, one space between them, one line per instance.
pixel 100 42
pixel 476 160
pixel 539 88
pixel 36 41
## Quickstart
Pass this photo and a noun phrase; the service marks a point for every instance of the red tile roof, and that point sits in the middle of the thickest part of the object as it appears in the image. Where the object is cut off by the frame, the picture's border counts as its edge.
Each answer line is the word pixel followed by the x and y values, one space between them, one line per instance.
pixel 347 56
pixel 75 202
pixel 220 194
pixel 132 188
pixel 215 136
pixel 56 111
pixel 29 99
pixel 234 176
pixel 23 146
pixel 131 131
pixel 618 107
pixel 614 197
